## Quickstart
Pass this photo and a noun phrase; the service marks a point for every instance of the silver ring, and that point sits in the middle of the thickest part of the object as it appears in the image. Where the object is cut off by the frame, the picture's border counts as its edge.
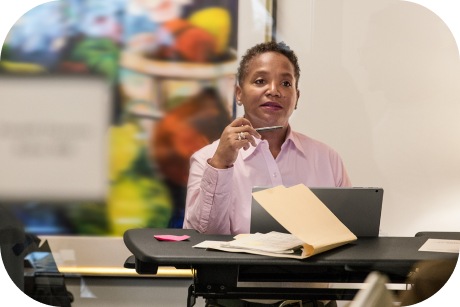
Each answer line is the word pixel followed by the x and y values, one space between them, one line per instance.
pixel 241 136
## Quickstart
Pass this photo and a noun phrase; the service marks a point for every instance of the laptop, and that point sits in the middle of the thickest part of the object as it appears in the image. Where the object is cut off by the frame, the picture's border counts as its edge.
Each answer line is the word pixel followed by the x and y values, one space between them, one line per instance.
pixel 358 208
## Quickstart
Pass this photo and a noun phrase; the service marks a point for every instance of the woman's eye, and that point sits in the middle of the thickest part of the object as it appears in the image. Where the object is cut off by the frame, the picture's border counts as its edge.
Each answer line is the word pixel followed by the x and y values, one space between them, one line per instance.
pixel 286 83
pixel 259 81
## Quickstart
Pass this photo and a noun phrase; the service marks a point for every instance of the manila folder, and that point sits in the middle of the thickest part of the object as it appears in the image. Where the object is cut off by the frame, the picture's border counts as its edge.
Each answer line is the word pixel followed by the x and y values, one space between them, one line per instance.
pixel 303 214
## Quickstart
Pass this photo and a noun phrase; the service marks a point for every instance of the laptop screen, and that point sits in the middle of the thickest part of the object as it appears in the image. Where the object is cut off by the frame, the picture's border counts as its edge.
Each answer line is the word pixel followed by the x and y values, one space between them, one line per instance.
pixel 358 208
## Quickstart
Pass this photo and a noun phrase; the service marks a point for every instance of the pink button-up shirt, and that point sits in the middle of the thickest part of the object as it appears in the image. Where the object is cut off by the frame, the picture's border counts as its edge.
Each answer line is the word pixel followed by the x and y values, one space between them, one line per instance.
pixel 219 200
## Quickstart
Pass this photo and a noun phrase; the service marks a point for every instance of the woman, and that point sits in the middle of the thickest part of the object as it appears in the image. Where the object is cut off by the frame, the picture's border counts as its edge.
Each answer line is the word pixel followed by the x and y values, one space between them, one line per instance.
pixel 222 174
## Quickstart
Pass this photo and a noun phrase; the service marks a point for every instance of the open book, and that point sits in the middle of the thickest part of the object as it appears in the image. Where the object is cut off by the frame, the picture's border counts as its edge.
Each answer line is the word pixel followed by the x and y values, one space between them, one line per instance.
pixel 313 227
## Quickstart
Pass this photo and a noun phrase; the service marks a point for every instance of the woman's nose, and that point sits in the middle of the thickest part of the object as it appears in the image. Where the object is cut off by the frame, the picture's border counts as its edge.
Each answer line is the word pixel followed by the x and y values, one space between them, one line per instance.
pixel 273 90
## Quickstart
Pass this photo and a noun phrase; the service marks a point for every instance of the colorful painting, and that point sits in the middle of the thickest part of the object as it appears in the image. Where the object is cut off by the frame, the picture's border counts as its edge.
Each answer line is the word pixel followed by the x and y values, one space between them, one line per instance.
pixel 172 64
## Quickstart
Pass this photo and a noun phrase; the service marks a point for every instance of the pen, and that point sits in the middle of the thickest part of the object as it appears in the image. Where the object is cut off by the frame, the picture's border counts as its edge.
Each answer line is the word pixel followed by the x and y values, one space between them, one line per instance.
pixel 268 128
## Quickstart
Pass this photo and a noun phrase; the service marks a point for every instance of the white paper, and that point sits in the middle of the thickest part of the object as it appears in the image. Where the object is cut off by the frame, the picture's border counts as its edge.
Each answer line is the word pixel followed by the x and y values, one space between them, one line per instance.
pixel 273 242
pixel 220 245
pixel 209 244
pixel 441 245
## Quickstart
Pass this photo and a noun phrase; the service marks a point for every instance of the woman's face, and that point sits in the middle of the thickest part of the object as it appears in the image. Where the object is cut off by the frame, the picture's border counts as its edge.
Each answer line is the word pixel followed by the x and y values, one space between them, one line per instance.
pixel 268 92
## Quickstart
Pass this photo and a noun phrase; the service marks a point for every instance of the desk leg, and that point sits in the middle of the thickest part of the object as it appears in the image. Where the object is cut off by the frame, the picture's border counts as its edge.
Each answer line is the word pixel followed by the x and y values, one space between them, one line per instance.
pixel 191 298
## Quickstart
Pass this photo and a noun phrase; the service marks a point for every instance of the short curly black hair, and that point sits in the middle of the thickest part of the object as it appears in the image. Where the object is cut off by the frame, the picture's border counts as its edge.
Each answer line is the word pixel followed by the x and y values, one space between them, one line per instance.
pixel 261 48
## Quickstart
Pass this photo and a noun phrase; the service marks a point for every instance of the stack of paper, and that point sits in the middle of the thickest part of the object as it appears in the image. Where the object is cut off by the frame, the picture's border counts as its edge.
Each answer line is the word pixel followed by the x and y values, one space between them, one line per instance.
pixel 313 227
pixel 274 244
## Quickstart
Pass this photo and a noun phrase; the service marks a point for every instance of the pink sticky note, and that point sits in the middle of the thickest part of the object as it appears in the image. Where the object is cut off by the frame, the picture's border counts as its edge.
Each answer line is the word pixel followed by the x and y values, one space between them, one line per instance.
pixel 171 237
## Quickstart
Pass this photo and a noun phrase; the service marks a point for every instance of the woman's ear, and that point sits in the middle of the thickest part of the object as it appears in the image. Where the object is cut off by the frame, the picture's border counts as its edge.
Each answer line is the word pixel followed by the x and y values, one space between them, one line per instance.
pixel 238 95
pixel 297 100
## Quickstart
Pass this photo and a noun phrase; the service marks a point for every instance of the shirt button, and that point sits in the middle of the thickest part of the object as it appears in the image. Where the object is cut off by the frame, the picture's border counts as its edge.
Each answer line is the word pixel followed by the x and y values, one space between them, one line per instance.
pixel 274 175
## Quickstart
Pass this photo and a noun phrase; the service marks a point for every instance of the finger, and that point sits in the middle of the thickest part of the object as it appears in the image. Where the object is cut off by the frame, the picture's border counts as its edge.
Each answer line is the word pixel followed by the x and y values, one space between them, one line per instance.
pixel 249 130
pixel 254 132
pixel 240 136
pixel 246 136
pixel 241 122
pixel 247 142
pixel 251 140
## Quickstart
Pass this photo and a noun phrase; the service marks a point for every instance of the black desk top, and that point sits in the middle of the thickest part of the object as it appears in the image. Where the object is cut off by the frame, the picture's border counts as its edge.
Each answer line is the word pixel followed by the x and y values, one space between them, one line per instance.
pixel 400 251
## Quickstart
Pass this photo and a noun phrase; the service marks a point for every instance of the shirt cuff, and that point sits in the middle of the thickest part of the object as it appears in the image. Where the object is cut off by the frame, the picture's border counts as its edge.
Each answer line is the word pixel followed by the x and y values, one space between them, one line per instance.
pixel 217 180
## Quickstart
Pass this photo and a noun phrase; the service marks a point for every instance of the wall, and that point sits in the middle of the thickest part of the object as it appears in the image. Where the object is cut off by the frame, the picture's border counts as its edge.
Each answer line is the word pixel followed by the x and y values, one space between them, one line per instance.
pixel 380 83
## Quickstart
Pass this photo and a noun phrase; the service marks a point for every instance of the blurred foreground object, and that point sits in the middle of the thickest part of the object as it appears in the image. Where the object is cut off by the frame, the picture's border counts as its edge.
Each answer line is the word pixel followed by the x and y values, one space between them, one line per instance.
pixel 11 234
pixel 428 279
pixel 375 293
pixel 53 137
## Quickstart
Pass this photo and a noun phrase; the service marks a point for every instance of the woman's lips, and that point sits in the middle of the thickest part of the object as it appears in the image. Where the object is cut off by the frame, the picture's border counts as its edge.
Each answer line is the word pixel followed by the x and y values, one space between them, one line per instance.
pixel 271 105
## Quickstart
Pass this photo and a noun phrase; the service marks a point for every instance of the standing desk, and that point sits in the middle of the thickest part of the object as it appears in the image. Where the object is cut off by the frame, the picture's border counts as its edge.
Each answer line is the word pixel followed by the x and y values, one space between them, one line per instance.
pixel 218 274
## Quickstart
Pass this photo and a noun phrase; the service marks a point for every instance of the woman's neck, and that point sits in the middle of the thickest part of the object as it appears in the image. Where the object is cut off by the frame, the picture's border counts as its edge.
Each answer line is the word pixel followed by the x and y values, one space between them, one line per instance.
pixel 275 140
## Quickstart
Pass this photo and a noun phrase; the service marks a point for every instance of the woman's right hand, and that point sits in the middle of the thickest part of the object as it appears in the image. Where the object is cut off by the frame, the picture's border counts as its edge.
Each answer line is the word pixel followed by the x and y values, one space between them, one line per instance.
pixel 239 134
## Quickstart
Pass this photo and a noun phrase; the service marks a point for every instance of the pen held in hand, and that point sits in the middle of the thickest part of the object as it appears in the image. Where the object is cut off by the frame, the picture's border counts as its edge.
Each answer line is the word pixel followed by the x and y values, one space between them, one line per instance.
pixel 262 129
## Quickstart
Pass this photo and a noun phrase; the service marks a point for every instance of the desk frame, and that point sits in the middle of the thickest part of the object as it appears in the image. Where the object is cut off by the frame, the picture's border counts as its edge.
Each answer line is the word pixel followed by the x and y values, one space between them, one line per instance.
pixel 220 274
